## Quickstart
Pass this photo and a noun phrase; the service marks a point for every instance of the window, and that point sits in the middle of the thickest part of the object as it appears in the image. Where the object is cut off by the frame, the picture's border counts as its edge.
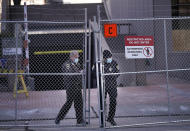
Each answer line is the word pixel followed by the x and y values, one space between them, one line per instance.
pixel 180 7
pixel 181 28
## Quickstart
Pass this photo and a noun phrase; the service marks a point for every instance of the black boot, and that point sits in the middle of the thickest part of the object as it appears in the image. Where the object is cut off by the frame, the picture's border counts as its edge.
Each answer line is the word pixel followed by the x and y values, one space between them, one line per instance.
pixel 112 121
pixel 57 121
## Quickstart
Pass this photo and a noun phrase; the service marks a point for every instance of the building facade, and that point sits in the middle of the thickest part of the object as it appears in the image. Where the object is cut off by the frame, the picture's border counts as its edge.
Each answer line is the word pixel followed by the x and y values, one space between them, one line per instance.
pixel 177 33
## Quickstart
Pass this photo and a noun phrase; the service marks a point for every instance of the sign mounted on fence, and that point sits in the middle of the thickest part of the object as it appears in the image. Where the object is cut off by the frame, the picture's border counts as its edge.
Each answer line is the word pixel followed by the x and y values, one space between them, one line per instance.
pixel 110 30
pixel 139 47
pixel 12 51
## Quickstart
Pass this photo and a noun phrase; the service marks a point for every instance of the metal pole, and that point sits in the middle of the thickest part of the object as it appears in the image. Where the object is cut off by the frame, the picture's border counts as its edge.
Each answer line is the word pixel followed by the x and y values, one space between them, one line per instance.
pixel 85 68
pixel 99 17
pixel 98 80
pixel 97 75
pixel 26 36
pixel 100 69
pixel 101 81
pixel 16 70
pixel 166 57
pixel 89 70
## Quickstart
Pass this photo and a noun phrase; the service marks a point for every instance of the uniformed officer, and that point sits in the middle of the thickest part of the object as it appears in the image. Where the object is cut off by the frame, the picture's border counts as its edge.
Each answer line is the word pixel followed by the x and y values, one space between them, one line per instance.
pixel 73 86
pixel 110 66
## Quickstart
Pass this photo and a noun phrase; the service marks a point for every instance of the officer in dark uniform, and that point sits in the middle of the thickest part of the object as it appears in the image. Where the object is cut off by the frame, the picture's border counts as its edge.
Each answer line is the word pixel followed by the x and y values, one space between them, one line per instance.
pixel 111 66
pixel 73 84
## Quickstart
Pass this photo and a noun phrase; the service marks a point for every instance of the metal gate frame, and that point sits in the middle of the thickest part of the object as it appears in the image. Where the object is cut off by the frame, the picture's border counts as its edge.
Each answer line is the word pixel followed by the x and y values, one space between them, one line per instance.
pixel 86 63
pixel 100 73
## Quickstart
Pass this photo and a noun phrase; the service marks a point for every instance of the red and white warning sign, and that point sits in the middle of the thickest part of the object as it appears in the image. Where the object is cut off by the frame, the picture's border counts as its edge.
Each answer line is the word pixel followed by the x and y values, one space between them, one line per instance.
pixel 139 47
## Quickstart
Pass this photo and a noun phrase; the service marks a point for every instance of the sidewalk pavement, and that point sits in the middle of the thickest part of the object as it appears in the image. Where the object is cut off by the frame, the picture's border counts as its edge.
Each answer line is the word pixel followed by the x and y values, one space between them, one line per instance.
pixel 135 104
pixel 171 127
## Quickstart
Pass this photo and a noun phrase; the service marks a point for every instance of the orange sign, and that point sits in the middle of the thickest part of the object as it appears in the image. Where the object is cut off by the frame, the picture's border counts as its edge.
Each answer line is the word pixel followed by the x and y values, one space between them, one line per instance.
pixel 110 30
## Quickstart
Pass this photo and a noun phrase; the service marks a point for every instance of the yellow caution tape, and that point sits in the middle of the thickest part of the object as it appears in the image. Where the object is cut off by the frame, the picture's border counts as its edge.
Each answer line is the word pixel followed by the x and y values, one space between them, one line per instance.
pixel 10 71
pixel 53 52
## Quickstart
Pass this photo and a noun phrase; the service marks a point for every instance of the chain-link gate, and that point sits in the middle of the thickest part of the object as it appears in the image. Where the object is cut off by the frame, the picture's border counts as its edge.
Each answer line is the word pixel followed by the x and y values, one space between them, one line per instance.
pixel 56 78
pixel 141 72
pixel 145 71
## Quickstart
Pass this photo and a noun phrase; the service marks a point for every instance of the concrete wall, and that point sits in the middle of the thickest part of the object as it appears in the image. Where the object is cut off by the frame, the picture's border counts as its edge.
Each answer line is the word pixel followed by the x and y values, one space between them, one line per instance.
pixel 123 9
pixel 161 11
pixel 107 5
pixel 162 8
pixel 131 8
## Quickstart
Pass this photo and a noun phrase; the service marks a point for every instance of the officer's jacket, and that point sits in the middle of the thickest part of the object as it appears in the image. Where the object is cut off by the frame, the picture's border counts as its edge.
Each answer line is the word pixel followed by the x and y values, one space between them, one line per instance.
pixel 111 80
pixel 71 80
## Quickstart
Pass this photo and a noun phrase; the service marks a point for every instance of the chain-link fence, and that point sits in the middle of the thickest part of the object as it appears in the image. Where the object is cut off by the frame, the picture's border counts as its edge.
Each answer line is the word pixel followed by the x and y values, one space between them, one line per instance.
pixel 145 70
pixel 142 77
pixel 43 94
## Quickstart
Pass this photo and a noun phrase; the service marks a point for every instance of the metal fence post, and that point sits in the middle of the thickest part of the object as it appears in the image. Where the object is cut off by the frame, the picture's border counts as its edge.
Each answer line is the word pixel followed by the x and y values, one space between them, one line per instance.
pixel 99 55
pixel 16 70
pixel 85 68
pixel 166 60
pixel 26 36
pixel 89 68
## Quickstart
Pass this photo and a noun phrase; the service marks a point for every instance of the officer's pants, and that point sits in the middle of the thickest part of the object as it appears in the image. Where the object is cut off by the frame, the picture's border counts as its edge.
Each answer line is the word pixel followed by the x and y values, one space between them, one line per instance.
pixel 73 95
pixel 112 92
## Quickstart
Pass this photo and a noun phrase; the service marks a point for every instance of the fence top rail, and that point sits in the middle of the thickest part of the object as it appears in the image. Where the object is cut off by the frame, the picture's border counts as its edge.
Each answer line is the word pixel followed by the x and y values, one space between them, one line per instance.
pixel 41 8
pixel 131 19
pixel 44 22
pixel 43 74
pixel 47 7
pixel 142 72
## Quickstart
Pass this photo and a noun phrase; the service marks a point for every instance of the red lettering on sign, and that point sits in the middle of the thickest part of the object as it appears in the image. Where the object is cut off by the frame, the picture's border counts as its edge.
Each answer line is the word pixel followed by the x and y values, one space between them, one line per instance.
pixel 139 41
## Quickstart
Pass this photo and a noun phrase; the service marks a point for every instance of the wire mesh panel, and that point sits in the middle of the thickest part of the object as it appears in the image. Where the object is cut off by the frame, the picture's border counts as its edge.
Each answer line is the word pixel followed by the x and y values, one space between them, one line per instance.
pixel 142 72
pixel 178 64
pixel 50 52
pixel 55 80
pixel 8 103
pixel 8 65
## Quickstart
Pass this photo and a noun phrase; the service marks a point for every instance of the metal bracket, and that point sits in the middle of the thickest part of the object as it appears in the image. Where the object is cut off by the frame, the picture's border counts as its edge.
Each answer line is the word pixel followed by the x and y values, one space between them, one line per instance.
pixel 101 110
pixel 96 31
pixel 88 34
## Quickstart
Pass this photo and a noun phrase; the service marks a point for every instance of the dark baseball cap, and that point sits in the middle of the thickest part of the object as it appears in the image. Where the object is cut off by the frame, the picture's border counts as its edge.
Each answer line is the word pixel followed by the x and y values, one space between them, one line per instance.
pixel 107 54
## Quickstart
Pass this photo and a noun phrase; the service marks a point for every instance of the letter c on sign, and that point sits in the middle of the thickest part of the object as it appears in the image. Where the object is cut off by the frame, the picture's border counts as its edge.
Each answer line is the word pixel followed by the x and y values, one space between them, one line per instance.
pixel 110 32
